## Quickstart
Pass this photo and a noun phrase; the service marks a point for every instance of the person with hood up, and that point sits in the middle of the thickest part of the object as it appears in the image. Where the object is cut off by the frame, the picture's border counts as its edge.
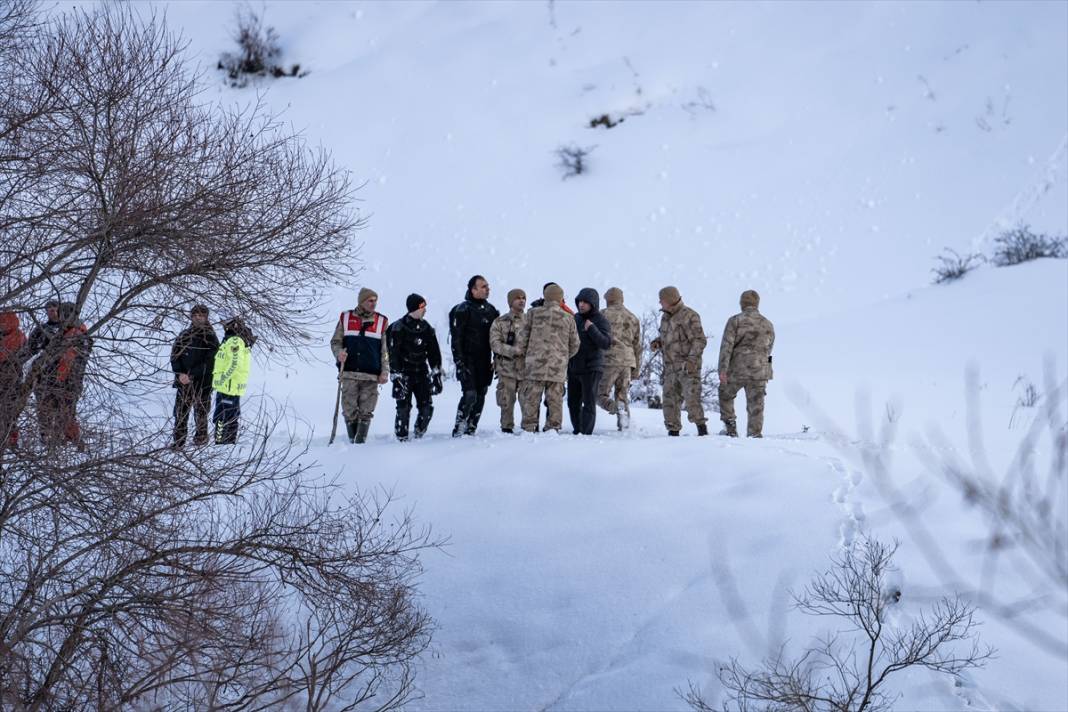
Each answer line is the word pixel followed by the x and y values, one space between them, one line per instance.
pixel 586 367
pixel 233 362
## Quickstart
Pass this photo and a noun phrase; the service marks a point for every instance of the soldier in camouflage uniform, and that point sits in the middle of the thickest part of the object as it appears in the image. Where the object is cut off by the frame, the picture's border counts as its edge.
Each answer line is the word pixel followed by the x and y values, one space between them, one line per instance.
pixel 548 341
pixel 745 363
pixel 623 359
pixel 682 342
pixel 507 362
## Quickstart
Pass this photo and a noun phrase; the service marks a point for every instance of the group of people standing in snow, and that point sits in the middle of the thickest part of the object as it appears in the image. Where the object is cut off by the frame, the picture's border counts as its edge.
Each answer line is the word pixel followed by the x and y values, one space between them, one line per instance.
pixel 537 353
pixel 62 346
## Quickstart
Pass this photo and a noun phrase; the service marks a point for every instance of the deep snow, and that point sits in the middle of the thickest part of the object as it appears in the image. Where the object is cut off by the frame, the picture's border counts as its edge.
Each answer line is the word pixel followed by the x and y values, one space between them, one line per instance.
pixel 820 153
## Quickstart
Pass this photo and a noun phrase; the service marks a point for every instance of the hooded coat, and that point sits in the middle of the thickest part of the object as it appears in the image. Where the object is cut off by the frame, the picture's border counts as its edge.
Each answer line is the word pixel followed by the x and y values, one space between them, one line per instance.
pixel 594 340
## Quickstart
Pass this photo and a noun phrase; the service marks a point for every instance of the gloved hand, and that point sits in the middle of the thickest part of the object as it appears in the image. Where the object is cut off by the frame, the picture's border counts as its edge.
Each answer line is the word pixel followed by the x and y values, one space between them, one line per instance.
pixel 400 386
pixel 635 374
pixel 436 386
pixel 692 368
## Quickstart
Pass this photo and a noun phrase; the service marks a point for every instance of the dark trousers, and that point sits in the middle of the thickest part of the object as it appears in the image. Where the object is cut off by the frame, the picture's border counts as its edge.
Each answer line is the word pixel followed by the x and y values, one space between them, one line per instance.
pixel 582 401
pixel 418 386
pixel 470 409
pixel 196 398
pixel 227 414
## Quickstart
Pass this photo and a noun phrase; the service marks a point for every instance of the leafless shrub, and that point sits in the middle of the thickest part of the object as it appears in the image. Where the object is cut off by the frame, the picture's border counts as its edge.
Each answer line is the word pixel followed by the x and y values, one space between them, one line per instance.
pixel 848 673
pixel 1023 512
pixel 258 50
pixel 133 575
pixel 1020 245
pixel 573 160
pixel 952 266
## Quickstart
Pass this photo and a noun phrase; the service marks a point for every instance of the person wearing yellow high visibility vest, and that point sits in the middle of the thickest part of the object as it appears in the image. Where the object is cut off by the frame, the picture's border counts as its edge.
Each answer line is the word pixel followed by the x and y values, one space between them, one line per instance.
pixel 233 361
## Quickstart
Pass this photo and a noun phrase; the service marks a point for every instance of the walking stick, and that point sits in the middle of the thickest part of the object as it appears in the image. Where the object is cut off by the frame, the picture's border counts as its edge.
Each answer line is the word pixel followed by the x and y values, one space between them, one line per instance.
pixel 337 406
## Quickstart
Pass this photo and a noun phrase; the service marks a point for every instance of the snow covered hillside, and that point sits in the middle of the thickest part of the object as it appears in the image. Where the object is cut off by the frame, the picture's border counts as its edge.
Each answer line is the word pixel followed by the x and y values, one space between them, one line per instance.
pixel 822 154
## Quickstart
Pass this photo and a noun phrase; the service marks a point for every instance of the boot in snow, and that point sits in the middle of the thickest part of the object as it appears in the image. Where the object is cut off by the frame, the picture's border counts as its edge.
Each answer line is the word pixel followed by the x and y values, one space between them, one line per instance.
pixel 362 426
pixel 702 429
pixel 673 433
pixel 350 428
pixel 730 429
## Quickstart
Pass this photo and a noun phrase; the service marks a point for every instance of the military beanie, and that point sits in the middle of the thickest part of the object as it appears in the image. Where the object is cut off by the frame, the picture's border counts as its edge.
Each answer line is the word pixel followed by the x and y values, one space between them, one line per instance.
pixel 750 299
pixel 514 294
pixel 365 294
pixel 670 295
pixel 614 295
pixel 553 294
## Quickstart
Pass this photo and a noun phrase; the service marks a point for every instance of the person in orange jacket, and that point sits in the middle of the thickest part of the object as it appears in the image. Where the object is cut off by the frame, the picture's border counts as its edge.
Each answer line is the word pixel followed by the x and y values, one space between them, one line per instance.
pixel 12 355
pixel 62 380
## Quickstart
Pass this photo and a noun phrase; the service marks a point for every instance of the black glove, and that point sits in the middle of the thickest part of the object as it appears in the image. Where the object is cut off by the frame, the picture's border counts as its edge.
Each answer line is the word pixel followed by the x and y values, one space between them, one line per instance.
pixel 462 374
pixel 436 386
pixel 400 387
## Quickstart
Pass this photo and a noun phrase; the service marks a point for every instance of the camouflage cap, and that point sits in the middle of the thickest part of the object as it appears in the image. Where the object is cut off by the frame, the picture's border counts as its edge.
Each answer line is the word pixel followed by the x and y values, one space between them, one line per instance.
pixel 553 293
pixel 670 295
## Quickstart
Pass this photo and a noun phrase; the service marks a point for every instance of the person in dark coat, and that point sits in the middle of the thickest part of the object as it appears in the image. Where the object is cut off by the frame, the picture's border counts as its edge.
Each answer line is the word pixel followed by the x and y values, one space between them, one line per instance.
pixel 42 334
pixel 414 367
pixel 585 369
pixel 192 360
pixel 469 333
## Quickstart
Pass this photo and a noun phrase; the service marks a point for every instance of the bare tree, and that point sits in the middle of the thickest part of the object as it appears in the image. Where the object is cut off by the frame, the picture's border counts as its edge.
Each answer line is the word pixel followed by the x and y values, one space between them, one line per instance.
pixel 132 574
pixel 843 673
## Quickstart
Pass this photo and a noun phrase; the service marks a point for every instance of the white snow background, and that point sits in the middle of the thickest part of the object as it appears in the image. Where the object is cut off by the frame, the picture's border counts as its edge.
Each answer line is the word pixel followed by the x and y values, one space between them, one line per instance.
pixel 822 154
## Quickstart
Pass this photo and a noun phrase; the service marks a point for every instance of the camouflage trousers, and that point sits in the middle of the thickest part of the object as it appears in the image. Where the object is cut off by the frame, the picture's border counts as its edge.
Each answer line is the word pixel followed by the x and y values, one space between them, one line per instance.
pixel 754 403
pixel 358 399
pixel 680 388
pixel 509 390
pixel 616 378
pixel 530 396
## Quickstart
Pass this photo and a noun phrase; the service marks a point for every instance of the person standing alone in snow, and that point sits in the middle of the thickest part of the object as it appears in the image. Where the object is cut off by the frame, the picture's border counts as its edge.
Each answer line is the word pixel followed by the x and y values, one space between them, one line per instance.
pixel 360 349
pixel 469 334
pixel 415 367
pixel 507 361
pixel 745 363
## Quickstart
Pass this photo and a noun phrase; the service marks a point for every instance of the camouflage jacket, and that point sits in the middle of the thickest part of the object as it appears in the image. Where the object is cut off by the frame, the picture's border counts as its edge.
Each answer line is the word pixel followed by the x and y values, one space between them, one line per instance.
pixel 548 341
pixel 745 354
pixel 504 342
pixel 682 340
pixel 626 348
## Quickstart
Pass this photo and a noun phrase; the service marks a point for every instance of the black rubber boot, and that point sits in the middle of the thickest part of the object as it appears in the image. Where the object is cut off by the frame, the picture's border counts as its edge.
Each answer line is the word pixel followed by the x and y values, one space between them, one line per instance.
pixel 422 421
pixel 400 425
pixel 350 428
pixel 702 429
pixel 730 429
pixel 362 427
pixel 673 433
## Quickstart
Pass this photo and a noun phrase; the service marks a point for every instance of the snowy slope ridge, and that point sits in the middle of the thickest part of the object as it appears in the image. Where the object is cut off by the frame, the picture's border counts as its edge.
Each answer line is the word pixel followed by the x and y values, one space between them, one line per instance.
pixel 819 153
